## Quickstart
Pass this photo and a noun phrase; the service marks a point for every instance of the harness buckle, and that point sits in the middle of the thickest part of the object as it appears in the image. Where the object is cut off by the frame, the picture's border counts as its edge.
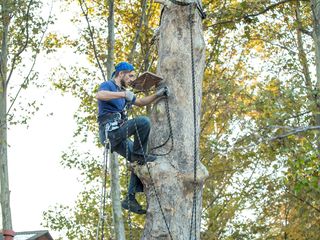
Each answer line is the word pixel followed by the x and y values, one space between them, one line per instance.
pixel 114 122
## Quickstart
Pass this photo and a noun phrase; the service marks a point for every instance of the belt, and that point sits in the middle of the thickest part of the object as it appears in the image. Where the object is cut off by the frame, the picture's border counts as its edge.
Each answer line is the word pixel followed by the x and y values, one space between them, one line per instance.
pixel 113 121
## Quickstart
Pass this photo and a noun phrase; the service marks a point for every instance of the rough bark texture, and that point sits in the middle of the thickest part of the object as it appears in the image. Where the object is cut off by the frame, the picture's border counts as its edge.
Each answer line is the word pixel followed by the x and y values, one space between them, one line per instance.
pixel 173 174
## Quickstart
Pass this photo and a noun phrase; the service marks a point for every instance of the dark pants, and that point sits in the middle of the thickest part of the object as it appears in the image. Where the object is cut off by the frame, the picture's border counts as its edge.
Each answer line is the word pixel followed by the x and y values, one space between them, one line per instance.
pixel 138 127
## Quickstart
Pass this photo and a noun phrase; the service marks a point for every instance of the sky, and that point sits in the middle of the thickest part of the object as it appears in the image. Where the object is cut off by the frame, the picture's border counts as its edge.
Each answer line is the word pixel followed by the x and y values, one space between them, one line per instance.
pixel 37 181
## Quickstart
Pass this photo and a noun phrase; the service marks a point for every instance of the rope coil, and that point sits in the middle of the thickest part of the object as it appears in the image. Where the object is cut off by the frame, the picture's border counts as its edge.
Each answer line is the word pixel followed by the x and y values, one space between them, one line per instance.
pixel 166 101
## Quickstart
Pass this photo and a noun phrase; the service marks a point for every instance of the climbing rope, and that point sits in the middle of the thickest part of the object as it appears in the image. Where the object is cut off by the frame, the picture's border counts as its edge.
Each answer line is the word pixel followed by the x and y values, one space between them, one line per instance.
pixel 127 180
pixel 102 215
pixel 195 152
pixel 170 132
pixel 151 179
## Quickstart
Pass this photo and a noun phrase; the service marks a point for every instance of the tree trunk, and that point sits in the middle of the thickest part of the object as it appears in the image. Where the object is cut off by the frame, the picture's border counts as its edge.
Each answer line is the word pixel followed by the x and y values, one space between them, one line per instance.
pixel 115 197
pixel 173 174
pixel 4 179
pixel 111 40
pixel 315 6
pixel 114 163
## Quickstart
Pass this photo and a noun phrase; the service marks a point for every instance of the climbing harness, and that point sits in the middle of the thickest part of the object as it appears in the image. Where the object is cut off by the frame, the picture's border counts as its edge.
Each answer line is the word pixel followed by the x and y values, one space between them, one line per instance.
pixel 103 196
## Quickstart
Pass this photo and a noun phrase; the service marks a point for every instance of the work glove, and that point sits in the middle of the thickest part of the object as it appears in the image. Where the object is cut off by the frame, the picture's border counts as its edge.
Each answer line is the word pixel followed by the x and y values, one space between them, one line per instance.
pixel 129 96
pixel 164 91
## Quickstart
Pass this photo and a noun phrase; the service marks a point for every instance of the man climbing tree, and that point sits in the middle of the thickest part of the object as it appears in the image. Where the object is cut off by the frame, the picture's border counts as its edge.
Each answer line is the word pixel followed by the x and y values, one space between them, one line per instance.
pixel 113 100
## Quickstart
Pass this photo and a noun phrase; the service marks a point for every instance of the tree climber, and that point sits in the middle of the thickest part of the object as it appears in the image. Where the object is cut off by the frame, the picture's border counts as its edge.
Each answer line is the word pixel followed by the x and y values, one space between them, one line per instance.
pixel 113 99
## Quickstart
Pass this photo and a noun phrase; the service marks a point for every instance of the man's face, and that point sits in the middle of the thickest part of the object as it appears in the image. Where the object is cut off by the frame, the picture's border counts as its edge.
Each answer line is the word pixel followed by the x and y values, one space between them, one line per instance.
pixel 127 78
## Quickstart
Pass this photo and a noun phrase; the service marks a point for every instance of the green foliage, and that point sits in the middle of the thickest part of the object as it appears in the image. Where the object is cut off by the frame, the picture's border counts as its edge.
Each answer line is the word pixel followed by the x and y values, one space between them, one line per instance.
pixel 23 26
pixel 264 174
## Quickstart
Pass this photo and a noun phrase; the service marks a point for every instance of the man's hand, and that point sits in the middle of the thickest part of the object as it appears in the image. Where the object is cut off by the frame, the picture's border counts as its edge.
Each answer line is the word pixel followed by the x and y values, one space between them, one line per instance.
pixel 164 91
pixel 129 96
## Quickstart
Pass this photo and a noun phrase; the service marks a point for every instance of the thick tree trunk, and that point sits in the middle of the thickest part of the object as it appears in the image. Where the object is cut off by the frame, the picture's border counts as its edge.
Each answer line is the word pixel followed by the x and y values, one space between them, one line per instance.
pixel 173 174
pixel 4 179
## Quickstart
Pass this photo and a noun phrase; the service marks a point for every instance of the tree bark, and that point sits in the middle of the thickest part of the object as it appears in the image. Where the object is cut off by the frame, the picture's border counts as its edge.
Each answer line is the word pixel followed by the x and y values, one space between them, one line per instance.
pixel 315 8
pixel 111 39
pixel 4 179
pixel 114 163
pixel 173 175
pixel 115 197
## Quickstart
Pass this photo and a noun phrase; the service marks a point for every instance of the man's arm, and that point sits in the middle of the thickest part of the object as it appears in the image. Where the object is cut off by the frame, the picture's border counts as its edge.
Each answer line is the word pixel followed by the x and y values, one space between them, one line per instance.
pixel 141 102
pixel 164 91
pixel 108 95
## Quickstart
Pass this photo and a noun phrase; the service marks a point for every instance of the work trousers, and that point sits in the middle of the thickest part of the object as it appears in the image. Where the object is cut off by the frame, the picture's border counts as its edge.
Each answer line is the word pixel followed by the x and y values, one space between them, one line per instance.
pixel 139 128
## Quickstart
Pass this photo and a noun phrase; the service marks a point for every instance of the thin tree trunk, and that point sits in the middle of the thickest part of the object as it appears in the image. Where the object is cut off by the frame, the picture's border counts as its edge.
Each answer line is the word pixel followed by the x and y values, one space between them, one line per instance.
pixel 302 54
pixel 4 179
pixel 111 40
pixel 137 36
pixel 115 197
pixel 170 188
pixel 315 7
pixel 313 93
pixel 114 164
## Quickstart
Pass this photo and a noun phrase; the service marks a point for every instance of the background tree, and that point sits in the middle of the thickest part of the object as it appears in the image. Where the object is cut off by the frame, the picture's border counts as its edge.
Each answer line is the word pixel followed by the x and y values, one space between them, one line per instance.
pixel 19 47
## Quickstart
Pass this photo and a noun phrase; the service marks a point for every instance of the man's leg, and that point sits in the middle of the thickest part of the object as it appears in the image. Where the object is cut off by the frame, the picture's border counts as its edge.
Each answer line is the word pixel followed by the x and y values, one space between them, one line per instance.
pixel 140 128
pixel 135 184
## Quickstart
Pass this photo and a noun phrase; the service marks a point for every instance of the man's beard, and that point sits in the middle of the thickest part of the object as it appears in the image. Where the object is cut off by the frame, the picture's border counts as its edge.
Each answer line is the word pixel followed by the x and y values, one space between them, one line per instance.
pixel 123 83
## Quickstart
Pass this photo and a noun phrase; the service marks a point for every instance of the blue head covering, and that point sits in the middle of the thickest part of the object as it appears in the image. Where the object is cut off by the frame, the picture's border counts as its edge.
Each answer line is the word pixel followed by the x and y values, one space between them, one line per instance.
pixel 123 66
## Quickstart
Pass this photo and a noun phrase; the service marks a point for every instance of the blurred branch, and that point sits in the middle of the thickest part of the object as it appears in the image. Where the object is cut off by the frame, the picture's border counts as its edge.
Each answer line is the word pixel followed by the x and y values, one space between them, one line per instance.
pixel 27 78
pixel 138 32
pixel 91 33
pixel 23 47
pixel 248 16
pixel 303 200
pixel 294 132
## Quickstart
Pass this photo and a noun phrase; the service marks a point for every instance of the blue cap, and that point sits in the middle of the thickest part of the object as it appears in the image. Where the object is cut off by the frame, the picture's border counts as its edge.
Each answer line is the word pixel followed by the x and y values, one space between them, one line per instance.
pixel 123 66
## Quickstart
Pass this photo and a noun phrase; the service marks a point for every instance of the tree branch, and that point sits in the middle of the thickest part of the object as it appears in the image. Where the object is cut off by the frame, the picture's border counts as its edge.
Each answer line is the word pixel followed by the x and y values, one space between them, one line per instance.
pixel 85 13
pixel 23 47
pixel 27 78
pixel 295 132
pixel 303 200
pixel 247 16
pixel 138 32
pixel 274 44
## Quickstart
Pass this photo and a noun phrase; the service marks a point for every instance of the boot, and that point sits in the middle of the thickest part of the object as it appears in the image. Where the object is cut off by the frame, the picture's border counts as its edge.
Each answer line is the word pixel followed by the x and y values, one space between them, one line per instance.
pixel 132 206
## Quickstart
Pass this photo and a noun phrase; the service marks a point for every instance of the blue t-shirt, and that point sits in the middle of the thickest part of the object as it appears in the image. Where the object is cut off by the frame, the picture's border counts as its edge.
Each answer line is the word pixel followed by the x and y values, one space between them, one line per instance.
pixel 113 105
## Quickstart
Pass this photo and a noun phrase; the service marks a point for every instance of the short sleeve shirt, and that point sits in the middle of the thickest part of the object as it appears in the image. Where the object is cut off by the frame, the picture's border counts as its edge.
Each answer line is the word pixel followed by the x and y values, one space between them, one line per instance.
pixel 113 105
